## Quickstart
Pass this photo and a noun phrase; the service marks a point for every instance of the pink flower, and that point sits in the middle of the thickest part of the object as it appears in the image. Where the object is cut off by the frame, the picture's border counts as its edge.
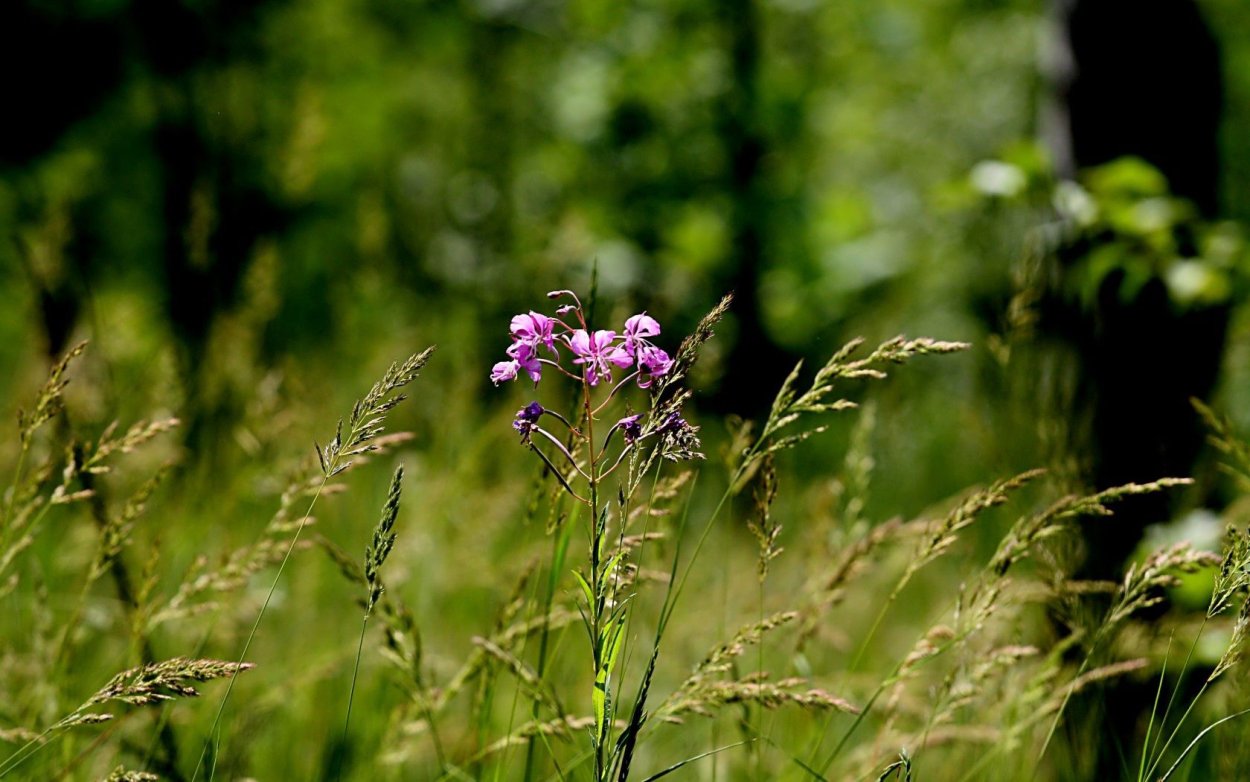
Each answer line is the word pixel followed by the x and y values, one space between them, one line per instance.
pixel 526 357
pixel 637 328
pixel 533 329
pixel 652 363
pixel 504 371
pixel 598 353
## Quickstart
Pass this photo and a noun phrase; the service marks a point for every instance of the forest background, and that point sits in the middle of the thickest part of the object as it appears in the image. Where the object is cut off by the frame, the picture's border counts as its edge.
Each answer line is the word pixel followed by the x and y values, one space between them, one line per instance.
pixel 249 209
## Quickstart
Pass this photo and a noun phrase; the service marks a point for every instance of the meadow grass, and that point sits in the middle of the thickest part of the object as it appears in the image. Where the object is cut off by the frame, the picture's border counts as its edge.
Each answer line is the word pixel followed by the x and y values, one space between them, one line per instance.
pixel 588 596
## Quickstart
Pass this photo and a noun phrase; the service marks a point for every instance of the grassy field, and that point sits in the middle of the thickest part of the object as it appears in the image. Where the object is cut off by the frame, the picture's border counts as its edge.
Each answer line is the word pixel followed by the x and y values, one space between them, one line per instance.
pixel 614 584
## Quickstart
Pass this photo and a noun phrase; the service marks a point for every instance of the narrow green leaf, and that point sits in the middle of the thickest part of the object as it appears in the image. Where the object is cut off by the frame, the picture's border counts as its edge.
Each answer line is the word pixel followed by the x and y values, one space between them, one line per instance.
pixel 679 765
pixel 586 591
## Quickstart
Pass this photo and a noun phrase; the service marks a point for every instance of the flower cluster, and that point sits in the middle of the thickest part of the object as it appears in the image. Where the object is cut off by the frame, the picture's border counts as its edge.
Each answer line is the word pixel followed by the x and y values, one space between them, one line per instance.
pixel 563 343
pixel 540 341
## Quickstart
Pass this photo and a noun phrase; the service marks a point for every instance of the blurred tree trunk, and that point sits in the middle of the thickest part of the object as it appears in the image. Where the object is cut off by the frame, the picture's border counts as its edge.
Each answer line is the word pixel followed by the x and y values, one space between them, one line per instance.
pixel 1142 79
pixel 215 201
pixel 757 366
pixel 57 252
pixel 1137 79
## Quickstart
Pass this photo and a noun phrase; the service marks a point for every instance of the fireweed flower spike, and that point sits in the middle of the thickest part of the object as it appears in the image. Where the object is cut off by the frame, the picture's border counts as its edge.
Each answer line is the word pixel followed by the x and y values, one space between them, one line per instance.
pixel 584 460
pixel 590 357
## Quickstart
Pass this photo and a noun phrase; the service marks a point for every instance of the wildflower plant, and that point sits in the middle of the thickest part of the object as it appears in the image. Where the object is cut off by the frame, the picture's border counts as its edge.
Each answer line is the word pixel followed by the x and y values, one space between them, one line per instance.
pixel 603 364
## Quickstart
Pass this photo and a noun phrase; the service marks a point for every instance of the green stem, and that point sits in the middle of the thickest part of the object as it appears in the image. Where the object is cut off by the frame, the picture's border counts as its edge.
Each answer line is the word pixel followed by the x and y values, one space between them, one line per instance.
pixel 1154 708
pixel 351 694
pixel 1159 758
pixel 558 544
pixel 221 707
pixel 17 481
pixel 22 755
pixel 666 610
pixel 756 749
pixel 32 528
pixel 876 624
pixel 1171 700
pixel 596 577
pixel 1198 738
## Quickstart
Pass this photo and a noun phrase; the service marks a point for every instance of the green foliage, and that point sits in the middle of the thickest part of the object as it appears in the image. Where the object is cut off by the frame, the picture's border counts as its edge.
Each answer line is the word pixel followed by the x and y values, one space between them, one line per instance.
pixel 1134 230
pixel 249 230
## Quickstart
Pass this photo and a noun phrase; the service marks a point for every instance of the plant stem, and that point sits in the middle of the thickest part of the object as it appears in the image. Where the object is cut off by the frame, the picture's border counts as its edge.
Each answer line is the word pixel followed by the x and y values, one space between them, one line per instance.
pixel 1198 738
pixel 1159 758
pixel 1180 674
pixel 221 707
pixel 351 694
pixel 559 543
pixel 1154 708
pixel 596 585
pixel 12 499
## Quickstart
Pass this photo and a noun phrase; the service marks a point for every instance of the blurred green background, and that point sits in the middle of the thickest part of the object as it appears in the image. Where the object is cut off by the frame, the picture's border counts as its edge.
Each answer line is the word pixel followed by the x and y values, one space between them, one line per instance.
pixel 232 196
pixel 251 208
pixel 333 176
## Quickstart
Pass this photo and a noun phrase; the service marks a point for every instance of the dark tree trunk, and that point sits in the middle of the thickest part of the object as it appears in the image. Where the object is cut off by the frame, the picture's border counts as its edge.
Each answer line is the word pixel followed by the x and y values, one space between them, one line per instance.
pixel 1143 79
pixel 1138 78
pixel 216 206
pixel 757 366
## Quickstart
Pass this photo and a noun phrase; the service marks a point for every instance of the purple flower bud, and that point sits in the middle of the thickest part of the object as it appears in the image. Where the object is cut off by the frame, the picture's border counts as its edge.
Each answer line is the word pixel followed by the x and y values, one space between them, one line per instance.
pixel 672 423
pixel 679 441
pixel 504 370
pixel 630 427
pixel 527 417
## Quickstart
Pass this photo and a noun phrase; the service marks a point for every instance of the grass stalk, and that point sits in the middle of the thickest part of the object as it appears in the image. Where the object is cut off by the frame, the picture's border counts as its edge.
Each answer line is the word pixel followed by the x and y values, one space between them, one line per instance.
pixel 1172 769
pixel 212 739
pixel 351 694
pixel 1154 708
